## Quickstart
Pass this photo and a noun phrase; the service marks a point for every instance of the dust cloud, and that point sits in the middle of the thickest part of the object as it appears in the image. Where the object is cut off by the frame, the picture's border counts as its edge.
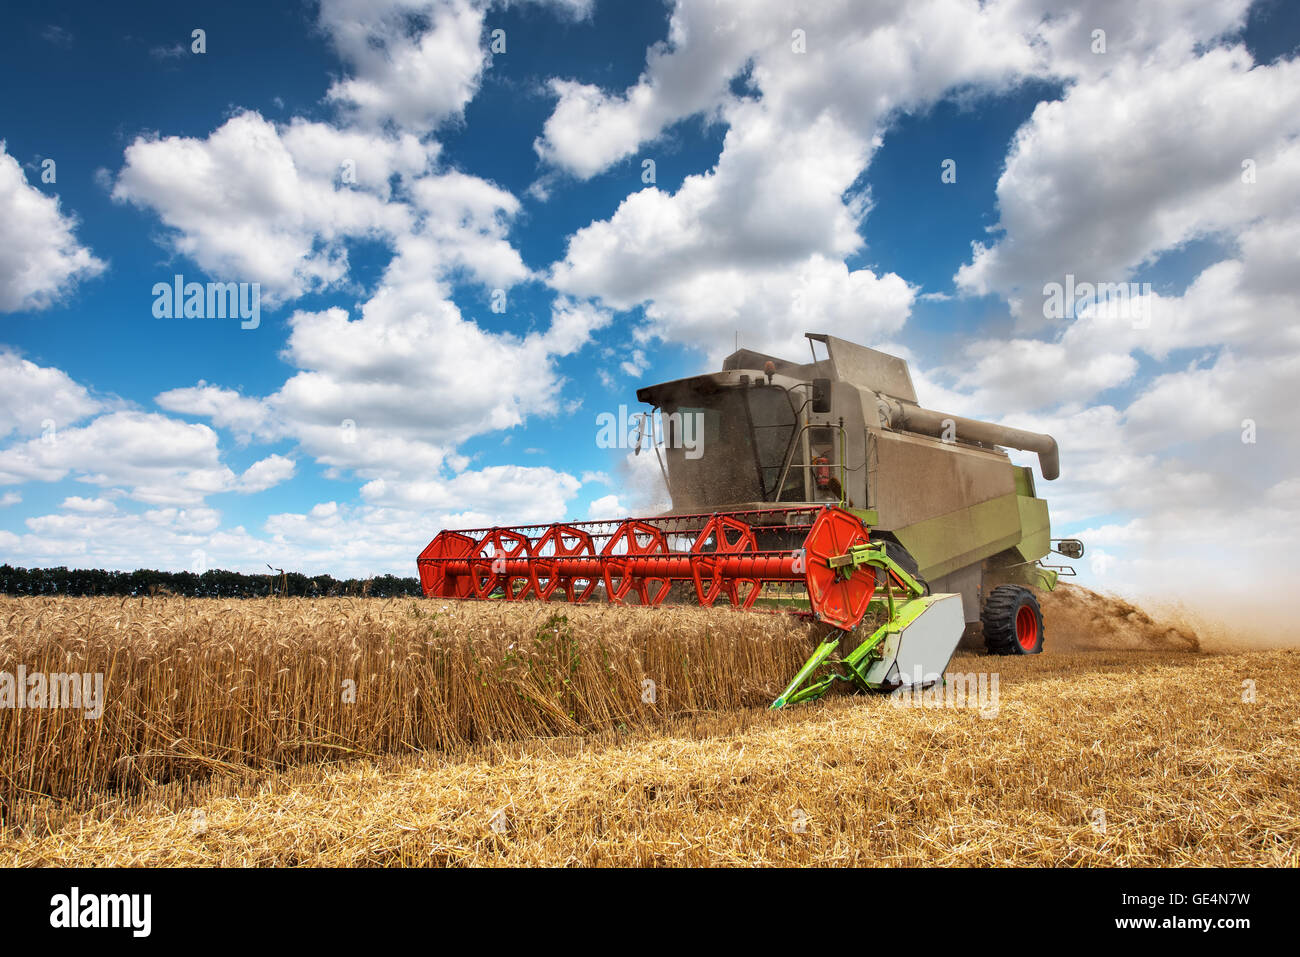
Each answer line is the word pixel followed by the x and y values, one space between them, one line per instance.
pixel 1079 619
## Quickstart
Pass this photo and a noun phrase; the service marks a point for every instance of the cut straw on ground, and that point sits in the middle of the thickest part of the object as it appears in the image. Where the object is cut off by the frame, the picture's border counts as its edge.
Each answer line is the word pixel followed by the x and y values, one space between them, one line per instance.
pixel 1155 759
pixel 375 733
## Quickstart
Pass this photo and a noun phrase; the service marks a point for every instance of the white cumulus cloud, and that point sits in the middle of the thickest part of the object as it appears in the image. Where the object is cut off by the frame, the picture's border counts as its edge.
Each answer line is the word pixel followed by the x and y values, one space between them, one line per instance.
pixel 40 257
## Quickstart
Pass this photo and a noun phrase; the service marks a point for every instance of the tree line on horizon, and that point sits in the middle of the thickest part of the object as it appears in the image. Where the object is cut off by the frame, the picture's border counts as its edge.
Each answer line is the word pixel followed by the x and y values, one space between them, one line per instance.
pixel 214 583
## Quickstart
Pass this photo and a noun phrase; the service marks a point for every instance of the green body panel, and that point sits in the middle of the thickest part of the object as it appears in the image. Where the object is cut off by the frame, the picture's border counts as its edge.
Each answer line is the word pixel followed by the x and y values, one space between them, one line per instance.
pixel 1024 481
pixel 965 536
pixel 1030 574
pixel 869 516
pixel 1035 529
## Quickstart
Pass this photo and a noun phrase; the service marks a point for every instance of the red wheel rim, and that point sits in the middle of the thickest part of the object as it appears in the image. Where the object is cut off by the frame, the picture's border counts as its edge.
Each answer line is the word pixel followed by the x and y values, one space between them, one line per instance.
pixel 1026 628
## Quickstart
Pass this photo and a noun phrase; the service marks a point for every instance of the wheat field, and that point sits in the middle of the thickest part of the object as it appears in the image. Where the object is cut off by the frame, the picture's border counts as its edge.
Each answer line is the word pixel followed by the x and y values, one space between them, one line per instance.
pixel 193 686
pixel 545 753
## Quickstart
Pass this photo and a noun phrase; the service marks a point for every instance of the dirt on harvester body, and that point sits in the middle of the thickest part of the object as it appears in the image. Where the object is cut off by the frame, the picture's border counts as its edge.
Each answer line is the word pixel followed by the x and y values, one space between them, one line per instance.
pixel 1079 619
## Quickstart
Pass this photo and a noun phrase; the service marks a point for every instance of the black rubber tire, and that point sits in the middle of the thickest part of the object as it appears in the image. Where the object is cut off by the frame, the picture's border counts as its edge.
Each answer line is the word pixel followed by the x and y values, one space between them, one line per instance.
pixel 1013 622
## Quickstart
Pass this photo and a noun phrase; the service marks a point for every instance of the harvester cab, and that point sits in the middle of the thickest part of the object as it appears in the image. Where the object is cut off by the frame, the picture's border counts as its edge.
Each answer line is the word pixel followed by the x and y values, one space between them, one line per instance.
pixel 822 488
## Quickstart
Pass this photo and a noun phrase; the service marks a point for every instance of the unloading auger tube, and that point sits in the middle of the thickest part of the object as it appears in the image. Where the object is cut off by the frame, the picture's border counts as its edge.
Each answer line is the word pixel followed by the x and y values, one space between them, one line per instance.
pixel 913 418
pixel 816 561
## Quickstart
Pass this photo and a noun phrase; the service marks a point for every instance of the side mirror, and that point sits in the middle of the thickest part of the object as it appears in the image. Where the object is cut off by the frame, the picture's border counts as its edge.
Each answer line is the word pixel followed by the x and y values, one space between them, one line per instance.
pixel 1069 547
pixel 640 434
pixel 821 395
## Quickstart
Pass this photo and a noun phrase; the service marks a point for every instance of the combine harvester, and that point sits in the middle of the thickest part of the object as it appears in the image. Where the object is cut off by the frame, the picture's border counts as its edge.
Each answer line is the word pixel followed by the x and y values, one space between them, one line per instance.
pixel 822 489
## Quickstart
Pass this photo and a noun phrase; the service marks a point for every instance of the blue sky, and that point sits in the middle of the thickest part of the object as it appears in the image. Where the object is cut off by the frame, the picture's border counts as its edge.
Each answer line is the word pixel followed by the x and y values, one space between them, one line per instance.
pixel 797 156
